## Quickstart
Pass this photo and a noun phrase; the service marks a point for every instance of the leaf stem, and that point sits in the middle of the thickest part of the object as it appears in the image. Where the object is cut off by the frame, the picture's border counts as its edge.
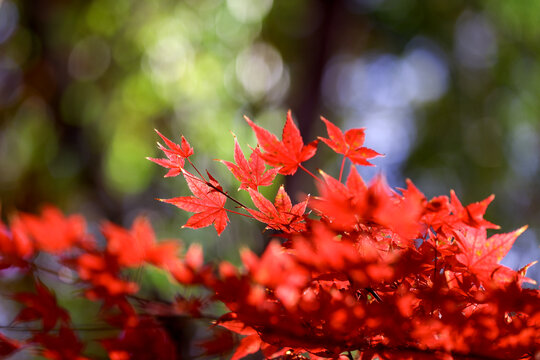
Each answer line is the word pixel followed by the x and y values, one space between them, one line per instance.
pixel 227 195
pixel 239 213
pixel 209 184
pixel 342 166
pixel 309 172
pixel 197 170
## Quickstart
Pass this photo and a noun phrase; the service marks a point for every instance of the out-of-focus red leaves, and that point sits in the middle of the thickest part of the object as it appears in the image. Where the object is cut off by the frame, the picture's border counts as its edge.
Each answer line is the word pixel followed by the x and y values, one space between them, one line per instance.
pixel 15 247
pixel 138 245
pixel 52 232
pixel 348 206
pixel 102 272
pixel 8 346
pixel 62 346
pixel 219 344
pixel 41 306
pixel 147 340
pixel 248 345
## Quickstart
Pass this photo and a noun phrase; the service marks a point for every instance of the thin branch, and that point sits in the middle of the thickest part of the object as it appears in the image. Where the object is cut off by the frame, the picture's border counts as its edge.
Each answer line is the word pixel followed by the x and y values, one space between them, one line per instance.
pixel 309 172
pixel 197 170
pixel 342 166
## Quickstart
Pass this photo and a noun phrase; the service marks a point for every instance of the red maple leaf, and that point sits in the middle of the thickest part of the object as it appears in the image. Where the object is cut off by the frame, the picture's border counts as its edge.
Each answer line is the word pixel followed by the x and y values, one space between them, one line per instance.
pixel 349 144
pixel 52 232
pixel 8 346
pixel 287 154
pixel 147 340
pixel 41 305
pixel 15 246
pixel 472 214
pixel 175 155
pixel 64 345
pixel 482 255
pixel 207 204
pixel 102 272
pixel 221 342
pixel 354 203
pixel 138 245
pixel 248 345
pixel 281 215
pixel 250 173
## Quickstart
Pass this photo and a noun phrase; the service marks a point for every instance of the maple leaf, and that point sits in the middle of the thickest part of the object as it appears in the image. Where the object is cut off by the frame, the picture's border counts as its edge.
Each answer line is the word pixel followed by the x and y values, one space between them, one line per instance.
pixel 176 155
pixel 207 204
pixel 221 342
pixel 64 345
pixel 251 174
pixel 342 204
pixel 146 340
pixel 138 245
pixel 53 232
pixel 352 204
pixel 248 345
pixel 473 214
pixel 281 215
pixel 481 254
pixel 42 306
pixel 348 144
pixel 102 271
pixel 8 346
pixel 230 320
pixel 15 246
pixel 287 154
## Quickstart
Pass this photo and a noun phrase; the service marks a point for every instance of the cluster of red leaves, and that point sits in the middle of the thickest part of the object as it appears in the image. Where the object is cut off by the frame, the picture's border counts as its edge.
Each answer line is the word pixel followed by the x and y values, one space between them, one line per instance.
pixel 98 272
pixel 361 271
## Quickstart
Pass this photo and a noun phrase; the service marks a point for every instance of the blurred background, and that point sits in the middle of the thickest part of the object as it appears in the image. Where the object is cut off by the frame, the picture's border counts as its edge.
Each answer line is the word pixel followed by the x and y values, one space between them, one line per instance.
pixel 448 90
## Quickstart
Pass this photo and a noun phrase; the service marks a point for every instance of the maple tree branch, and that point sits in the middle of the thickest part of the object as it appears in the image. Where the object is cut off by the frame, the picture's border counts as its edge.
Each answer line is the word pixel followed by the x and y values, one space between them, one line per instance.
pixel 209 184
pixel 227 195
pixel 34 266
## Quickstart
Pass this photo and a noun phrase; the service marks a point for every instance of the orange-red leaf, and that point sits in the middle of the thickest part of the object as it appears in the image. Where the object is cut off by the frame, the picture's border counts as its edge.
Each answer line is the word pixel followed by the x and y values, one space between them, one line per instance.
pixel 281 215
pixel 248 345
pixel 138 245
pixel 472 214
pixel 52 232
pixel 41 305
pixel 207 204
pixel 288 153
pixel 481 254
pixel 252 173
pixel 348 144
pixel 8 346
pixel 175 155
